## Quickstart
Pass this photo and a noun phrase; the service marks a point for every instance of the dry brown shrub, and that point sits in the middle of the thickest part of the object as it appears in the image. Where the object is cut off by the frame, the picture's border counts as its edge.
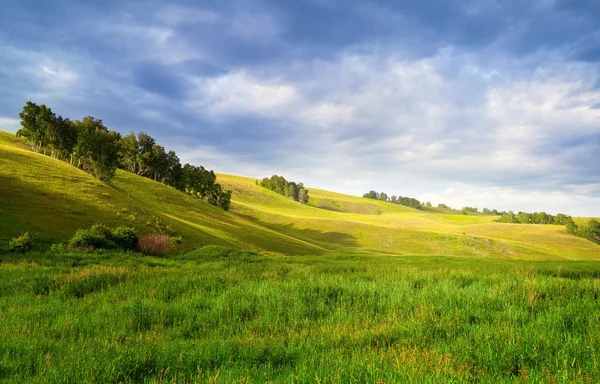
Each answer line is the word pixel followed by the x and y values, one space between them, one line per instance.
pixel 155 244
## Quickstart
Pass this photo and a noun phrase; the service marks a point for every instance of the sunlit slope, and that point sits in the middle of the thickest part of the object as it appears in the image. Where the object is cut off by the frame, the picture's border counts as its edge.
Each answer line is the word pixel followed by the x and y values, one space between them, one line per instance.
pixel 52 199
pixel 396 229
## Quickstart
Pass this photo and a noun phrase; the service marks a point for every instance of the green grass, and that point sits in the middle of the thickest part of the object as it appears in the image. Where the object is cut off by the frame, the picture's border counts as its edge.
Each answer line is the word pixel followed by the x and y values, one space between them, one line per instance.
pixel 51 199
pixel 343 290
pixel 218 315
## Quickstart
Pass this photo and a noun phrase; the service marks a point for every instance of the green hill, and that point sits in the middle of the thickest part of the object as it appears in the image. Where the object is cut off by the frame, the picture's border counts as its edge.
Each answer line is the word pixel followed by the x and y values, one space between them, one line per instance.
pixel 52 199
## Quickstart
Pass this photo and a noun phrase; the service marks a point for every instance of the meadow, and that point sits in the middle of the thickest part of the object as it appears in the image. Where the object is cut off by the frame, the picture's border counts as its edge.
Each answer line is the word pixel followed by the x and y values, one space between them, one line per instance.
pixel 37 192
pixel 222 315
pixel 340 290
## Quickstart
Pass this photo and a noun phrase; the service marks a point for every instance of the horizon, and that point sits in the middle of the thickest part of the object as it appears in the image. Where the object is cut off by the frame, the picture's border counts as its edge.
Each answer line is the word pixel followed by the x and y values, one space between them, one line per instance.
pixel 462 104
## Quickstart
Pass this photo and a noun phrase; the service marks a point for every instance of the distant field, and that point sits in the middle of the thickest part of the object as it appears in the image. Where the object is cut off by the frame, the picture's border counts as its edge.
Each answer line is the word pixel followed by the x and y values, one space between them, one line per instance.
pixel 215 315
pixel 52 200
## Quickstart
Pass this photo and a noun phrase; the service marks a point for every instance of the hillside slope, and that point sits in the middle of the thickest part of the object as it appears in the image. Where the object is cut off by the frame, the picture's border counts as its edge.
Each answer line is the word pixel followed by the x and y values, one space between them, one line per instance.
pixel 52 199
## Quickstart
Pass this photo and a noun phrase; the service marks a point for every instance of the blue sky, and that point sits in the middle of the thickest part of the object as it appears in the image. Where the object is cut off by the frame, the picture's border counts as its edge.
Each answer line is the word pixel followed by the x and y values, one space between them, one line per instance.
pixel 481 103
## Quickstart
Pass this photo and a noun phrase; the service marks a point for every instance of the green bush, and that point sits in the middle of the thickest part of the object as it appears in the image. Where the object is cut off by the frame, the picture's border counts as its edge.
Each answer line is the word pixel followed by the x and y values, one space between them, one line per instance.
pixel 125 238
pixel 89 239
pixel 21 244
pixel 99 236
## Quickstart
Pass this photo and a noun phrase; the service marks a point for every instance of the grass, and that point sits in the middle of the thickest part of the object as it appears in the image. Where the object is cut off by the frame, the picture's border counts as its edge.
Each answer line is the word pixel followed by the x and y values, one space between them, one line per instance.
pixel 221 315
pixel 52 199
pixel 344 289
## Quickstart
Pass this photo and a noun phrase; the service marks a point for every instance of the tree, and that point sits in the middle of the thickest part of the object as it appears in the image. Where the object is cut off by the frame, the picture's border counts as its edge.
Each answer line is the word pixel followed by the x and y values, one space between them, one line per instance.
pixel 174 176
pixel 302 194
pixel 159 162
pixel 129 152
pixel 290 189
pixel 225 200
pixel 572 228
pixel 36 121
pixel 144 157
pixel 67 139
pixel 371 195
pixel 98 148
pixel 592 230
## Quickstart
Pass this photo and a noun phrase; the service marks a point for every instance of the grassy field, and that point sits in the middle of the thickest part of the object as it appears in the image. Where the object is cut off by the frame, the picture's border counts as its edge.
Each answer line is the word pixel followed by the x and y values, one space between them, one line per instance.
pixel 341 290
pixel 52 199
pixel 223 316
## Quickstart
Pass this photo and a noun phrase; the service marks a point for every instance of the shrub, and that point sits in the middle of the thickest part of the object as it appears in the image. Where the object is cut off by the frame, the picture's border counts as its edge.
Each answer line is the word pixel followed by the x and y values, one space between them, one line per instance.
pixel 21 244
pixel 58 248
pixel 90 239
pixel 155 244
pixel 125 238
pixel 100 236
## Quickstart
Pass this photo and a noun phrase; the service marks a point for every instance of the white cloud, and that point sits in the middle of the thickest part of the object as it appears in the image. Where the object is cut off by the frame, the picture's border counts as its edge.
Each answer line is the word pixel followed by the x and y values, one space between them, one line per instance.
pixel 409 125
pixel 54 75
pixel 239 93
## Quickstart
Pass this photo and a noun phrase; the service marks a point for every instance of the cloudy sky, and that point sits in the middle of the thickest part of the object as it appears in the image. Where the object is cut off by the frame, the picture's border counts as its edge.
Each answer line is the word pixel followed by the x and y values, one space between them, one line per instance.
pixel 491 103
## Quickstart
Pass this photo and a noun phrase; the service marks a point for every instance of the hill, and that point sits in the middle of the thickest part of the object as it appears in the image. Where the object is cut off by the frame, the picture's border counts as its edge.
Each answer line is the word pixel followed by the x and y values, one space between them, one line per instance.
pixel 53 199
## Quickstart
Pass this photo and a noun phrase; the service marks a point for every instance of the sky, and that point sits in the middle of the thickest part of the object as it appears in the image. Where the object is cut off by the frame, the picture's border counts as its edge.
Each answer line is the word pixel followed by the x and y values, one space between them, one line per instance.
pixel 482 103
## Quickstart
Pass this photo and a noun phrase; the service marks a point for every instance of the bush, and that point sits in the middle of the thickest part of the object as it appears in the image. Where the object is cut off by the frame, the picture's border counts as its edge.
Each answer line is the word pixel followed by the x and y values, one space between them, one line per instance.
pixel 90 239
pixel 99 236
pixel 125 238
pixel 21 244
pixel 155 244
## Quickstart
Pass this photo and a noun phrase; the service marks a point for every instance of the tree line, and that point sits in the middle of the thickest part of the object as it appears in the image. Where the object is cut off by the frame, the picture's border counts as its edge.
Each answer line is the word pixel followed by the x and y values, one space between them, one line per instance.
pixel 89 145
pixel 591 231
pixel 534 218
pixel 289 189
pixel 407 201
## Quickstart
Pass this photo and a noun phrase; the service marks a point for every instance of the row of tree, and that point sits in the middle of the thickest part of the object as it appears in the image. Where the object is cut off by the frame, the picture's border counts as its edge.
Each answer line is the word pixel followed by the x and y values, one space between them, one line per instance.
pixel 534 218
pixel 89 145
pixel 407 201
pixel 289 189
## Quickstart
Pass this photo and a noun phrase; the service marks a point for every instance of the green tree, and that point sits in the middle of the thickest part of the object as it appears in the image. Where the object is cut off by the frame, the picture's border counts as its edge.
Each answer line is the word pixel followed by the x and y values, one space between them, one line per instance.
pixel 371 195
pixel 129 151
pixel 144 157
pixel 98 148
pixel 36 122
pixel 572 227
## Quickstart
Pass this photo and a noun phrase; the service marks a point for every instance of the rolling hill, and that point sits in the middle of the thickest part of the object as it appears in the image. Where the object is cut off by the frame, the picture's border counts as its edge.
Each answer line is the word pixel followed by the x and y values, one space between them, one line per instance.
pixel 52 199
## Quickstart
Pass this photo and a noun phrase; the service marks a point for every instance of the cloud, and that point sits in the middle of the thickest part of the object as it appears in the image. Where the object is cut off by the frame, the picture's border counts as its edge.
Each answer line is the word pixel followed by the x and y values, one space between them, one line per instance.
pixel 238 93
pixel 473 102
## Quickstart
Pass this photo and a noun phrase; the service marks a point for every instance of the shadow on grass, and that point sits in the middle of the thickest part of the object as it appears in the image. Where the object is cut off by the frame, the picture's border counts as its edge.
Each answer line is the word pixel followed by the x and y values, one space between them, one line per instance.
pixel 50 215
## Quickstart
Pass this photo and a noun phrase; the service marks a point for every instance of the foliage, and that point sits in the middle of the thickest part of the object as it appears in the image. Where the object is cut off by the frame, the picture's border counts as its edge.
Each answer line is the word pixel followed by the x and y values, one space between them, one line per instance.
pixel 289 189
pixel 36 121
pixel 21 244
pixel 591 231
pixel 467 210
pixel 98 147
pixel 88 144
pixel 406 201
pixel 125 238
pixel 99 236
pixel 535 218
